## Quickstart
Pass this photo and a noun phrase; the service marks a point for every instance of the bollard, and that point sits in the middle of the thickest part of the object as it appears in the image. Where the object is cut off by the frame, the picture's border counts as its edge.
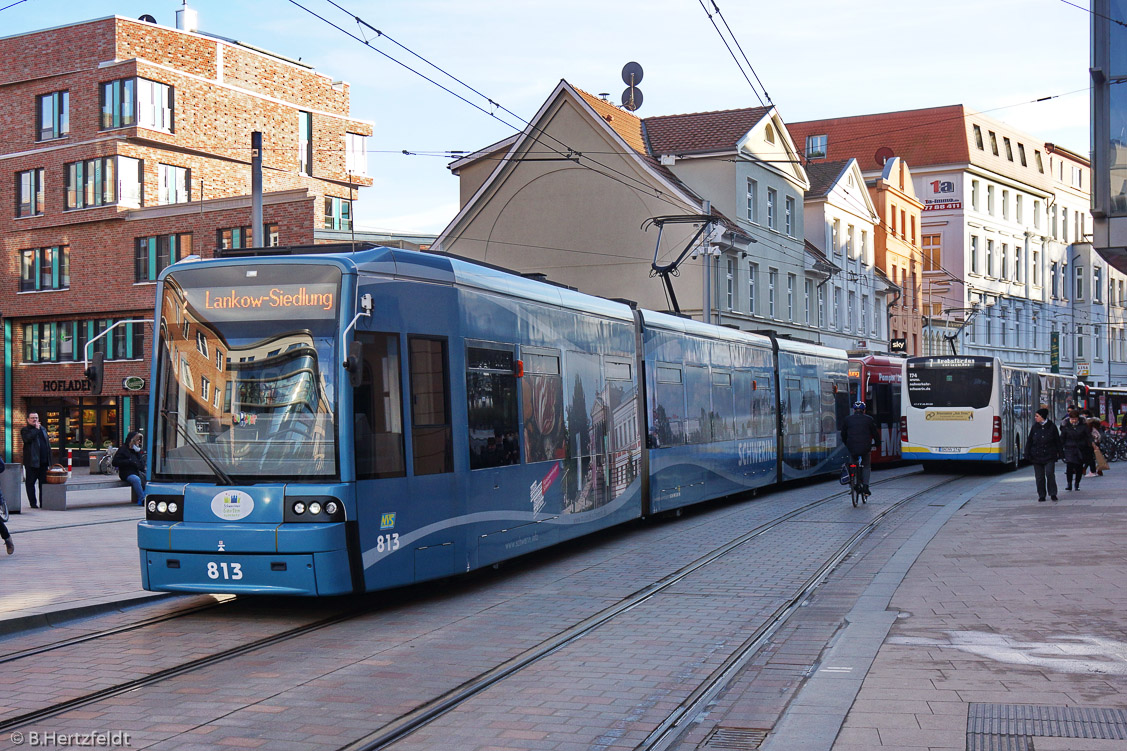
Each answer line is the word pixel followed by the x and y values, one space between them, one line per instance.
pixel 70 462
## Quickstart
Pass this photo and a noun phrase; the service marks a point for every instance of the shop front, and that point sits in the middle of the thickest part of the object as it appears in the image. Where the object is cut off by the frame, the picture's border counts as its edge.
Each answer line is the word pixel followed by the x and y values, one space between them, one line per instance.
pixel 83 424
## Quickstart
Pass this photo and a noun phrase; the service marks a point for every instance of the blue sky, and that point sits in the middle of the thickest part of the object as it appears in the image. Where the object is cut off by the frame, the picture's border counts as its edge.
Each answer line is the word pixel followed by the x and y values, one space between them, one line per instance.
pixel 816 58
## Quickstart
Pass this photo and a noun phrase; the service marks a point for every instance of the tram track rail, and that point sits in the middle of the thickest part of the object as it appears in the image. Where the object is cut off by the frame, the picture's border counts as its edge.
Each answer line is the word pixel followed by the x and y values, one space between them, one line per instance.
pixel 675 724
pixel 428 712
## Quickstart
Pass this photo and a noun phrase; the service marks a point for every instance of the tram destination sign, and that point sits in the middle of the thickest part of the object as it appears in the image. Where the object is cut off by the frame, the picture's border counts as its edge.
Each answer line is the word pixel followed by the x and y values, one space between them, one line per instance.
pixel 259 301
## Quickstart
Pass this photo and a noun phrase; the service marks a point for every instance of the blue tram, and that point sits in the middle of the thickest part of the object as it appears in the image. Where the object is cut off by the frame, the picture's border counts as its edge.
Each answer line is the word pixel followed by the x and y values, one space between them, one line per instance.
pixel 464 416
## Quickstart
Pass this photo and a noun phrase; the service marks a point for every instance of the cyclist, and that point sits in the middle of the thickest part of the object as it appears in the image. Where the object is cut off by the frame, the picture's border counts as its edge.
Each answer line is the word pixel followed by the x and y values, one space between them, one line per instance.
pixel 860 435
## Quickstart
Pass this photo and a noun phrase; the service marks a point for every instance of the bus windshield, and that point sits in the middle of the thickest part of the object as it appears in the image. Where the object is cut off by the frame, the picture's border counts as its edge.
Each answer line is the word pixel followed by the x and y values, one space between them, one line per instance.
pixel 245 374
pixel 950 382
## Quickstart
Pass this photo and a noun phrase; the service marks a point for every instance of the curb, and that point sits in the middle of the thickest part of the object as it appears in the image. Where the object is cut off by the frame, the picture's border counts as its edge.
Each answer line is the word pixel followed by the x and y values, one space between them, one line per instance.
pixel 14 624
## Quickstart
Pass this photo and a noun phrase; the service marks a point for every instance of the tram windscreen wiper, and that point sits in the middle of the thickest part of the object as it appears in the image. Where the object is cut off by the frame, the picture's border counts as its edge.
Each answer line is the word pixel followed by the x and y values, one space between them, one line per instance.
pixel 220 475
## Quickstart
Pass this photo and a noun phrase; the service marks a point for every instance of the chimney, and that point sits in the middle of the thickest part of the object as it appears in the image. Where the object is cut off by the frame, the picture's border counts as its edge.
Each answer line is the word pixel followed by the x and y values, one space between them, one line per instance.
pixel 187 19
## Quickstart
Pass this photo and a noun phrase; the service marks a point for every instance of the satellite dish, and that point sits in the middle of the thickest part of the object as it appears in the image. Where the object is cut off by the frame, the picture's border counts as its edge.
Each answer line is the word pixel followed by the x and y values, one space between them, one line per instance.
pixel 632 74
pixel 883 155
pixel 632 96
pixel 147 18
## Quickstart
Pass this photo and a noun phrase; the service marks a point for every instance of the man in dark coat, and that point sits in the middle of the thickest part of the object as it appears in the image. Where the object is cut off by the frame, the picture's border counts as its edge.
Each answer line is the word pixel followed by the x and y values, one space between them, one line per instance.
pixel 36 456
pixel 1075 438
pixel 1042 449
pixel 860 435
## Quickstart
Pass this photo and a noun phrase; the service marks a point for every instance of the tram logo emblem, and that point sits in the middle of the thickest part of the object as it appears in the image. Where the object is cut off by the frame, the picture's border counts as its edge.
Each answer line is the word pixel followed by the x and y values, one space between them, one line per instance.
pixel 387 521
pixel 232 505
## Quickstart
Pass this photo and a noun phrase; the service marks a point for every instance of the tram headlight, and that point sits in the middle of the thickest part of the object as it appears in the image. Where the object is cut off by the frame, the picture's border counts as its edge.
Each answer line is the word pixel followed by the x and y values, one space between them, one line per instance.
pixel 315 508
pixel 152 506
pixel 299 508
pixel 162 507
pixel 173 508
pixel 331 508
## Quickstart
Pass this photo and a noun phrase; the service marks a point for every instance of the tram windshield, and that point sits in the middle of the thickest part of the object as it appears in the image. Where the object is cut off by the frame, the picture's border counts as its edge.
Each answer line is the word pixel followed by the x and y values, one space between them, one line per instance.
pixel 245 378
pixel 951 382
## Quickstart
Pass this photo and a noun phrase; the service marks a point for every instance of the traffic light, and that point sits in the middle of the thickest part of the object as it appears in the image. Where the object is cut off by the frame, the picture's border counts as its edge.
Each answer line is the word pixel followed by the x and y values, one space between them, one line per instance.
pixel 94 372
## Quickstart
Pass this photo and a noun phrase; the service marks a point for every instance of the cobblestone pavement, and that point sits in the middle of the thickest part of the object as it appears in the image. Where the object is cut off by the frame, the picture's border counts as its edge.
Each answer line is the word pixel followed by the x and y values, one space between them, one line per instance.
pixel 321 691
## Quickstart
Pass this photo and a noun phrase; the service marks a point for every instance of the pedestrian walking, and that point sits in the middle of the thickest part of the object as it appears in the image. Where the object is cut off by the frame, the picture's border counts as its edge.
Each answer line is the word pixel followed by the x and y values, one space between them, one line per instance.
pixel 130 463
pixel 36 457
pixel 9 546
pixel 1042 449
pixel 1075 438
pixel 1094 468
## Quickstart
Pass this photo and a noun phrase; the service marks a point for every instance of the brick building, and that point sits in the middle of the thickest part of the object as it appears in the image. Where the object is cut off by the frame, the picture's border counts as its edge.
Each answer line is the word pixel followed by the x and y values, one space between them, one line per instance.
pixel 127 147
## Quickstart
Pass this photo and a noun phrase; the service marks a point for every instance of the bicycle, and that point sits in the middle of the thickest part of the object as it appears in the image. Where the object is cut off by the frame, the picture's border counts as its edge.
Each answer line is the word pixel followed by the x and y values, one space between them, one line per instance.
pixel 105 464
pixel 856 488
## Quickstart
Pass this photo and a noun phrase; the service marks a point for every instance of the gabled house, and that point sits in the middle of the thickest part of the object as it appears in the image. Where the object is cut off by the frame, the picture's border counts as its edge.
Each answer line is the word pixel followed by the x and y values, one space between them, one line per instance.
pixel 849 304
pixel 571 197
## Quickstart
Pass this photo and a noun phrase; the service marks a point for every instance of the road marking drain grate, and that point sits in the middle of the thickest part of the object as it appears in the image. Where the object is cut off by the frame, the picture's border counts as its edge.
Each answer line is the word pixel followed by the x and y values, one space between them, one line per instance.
pixel 1012 727
pixel 735 739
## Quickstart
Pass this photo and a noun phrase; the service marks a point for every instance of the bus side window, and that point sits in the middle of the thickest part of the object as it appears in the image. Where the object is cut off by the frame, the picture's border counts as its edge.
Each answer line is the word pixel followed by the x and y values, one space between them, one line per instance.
pixel 378 411
pixel 430 406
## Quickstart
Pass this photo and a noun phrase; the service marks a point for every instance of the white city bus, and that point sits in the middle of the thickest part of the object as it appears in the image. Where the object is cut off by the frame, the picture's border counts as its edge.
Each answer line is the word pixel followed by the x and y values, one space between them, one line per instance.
pixel 965 408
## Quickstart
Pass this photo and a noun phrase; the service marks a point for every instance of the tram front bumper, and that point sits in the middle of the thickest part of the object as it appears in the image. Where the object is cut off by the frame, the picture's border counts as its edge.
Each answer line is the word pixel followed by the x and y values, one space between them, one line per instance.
pixel 280 559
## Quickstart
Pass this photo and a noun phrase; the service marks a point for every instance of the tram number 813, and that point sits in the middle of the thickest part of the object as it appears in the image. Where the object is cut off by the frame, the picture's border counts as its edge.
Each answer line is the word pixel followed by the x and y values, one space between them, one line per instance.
pixel 224 570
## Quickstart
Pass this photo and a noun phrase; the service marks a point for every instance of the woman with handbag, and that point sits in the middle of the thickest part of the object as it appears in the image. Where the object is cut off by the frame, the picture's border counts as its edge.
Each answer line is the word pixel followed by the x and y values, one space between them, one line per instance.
pixel 1099 463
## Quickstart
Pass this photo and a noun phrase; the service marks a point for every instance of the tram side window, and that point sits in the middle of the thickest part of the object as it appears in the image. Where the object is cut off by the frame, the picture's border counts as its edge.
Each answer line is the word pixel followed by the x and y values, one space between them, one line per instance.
pixel 491 396
pixel 843 401
pixel 882 408
pixel 667 427
pixel 723 407
pixel 763 405
pixel 378 419
pixel 542 398
pixel 698 405
pixel 744 415
pixel 430 406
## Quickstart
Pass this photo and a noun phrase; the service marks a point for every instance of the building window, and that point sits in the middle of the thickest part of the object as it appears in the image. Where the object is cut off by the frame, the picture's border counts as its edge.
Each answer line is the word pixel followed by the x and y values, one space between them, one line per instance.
pixel 243 237
pixel 852 311
pixel 730 279
pixel 1017 263
pixel 175 184
pixel 1009 149
pixel 107 180
pixel 835 236
pixel 119 103
pixel 932 256
pixel 338 213
pixel 772 282
pixel 1097 284
pixel 1005 204
pixel 1036 267
pixel 1079 282
pixel 1017 208
pixel 153 254
pixel 790 215
pixel 993 143
pixel 45 269
pixel 772 202
pixel 815 147
pixel 989 258
pixel 751 274
pixel 849 238
pixel 1005 261
pixel 65 341
pixel 305 143
pixel 837 311
pixel 974 194
pixel 1021 154
pixel 52 115
pixel 807 299
pixel 974 254
pixel 356 153
pixel 752 203
pixel 1077 177
pixel 1040 164
pixel 978 137
pixel 29 192
pixel 791 280
pixel 990 200
pixel 1037 214
pixel 155 105
pixel 821 306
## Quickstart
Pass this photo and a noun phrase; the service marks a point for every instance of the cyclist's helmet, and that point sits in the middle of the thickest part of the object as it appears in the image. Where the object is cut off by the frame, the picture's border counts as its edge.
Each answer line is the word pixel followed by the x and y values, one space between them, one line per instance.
pixel 859 406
